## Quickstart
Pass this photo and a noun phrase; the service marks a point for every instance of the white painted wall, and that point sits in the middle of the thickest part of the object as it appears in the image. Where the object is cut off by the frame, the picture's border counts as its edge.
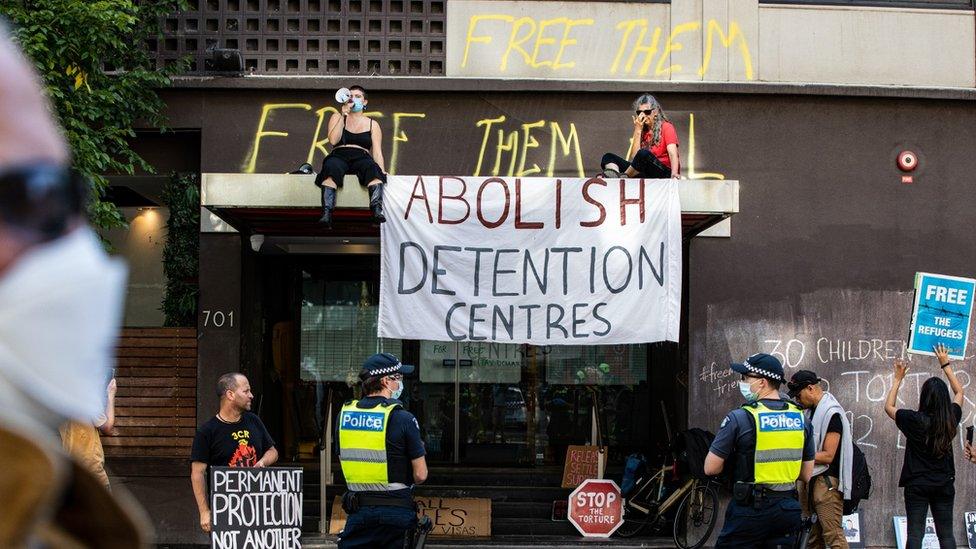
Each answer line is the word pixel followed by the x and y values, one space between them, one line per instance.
pixel 901 47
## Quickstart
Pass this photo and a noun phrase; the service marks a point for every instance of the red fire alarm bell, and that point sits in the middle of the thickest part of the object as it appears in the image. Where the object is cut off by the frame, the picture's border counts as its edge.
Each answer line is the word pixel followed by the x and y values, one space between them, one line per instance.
pixel 907 161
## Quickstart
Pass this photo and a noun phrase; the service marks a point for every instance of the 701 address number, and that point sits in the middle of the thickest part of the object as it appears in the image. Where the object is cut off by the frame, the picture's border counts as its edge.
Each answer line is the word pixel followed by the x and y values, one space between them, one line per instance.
pixel 217 319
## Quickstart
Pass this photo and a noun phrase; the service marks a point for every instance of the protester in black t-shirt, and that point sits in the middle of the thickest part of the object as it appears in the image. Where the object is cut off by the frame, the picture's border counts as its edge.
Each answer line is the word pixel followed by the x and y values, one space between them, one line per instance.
pixel 928 473
pixel 832 481
pixel 234 437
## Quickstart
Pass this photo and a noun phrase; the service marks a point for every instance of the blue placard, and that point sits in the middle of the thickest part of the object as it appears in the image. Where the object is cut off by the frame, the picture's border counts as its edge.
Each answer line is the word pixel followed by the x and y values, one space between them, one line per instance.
pixel 943 306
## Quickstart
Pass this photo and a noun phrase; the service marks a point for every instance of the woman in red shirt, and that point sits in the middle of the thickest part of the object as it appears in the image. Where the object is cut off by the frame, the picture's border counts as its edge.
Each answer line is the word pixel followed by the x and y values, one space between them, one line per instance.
pixel 653 147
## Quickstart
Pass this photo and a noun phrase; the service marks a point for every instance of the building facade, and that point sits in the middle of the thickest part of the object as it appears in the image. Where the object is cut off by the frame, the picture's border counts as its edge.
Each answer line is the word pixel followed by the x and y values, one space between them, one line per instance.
pixel 807 105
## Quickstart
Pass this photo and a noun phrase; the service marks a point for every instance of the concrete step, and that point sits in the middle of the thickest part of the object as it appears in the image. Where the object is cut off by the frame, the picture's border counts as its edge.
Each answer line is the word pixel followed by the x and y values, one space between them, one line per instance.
pixel 531 527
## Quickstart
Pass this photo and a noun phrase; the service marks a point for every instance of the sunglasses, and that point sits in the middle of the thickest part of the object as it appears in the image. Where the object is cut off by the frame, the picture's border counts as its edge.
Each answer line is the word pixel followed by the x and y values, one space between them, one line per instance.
pixel 41 197
pixel 648 112
pixel 395 377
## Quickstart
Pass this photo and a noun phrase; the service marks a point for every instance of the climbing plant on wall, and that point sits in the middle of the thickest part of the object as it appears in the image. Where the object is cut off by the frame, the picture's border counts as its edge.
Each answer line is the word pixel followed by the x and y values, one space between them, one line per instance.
pixel 181 255
pixel 101 78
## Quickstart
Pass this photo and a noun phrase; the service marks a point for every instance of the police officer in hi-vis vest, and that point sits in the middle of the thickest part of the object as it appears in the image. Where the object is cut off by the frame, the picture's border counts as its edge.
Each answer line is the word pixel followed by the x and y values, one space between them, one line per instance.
pixel 770 446
pixel 382 457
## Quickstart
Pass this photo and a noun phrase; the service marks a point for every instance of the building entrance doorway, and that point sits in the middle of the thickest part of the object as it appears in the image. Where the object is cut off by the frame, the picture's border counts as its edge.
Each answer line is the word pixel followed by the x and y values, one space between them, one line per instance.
pixel 477 403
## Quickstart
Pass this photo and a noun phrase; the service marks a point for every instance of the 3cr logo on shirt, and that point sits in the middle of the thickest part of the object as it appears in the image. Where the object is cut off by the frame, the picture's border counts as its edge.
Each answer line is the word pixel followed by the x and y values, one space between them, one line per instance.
pixel 361 421
pixel 780 421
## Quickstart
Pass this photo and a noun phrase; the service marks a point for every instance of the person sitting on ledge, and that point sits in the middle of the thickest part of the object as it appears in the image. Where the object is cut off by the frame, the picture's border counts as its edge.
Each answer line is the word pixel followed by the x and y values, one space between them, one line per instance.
pixel 653 147
pixel 356 148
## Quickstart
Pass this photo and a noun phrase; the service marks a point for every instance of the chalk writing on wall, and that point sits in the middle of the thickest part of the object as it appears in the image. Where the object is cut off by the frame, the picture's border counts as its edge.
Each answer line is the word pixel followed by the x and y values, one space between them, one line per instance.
pixel 848 337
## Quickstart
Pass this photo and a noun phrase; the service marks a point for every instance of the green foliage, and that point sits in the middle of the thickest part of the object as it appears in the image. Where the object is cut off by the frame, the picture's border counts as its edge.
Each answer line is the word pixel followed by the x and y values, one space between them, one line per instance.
pixel 100 77
pixel 181 256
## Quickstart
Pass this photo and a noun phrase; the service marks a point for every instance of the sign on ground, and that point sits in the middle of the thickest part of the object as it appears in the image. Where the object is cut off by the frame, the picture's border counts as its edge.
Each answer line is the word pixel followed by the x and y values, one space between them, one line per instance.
pixel 256 507
pixel 451 517
pixel 943 307
pixel 596 508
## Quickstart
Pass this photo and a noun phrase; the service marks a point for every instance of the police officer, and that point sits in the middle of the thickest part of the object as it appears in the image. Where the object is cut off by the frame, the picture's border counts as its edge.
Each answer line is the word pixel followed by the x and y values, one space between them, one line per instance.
pixel 771 446
pixel 382 457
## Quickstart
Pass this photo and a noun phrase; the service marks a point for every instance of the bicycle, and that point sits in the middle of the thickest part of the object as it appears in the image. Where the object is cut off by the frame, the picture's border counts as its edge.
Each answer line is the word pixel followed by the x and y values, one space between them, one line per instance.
pixel 697 508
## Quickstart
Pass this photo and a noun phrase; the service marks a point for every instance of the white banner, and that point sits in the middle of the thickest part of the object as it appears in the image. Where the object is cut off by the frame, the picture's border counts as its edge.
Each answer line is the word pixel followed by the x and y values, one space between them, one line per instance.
pixel 537 260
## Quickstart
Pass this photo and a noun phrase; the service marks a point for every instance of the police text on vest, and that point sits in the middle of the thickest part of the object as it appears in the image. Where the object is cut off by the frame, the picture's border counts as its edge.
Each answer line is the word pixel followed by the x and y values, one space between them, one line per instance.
pixel 780 421
pixel 362 421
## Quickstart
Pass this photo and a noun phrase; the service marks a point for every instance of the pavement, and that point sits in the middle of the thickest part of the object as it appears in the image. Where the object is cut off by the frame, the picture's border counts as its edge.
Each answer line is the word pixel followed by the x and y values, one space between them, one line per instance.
pixel 518 542
pixel 499 542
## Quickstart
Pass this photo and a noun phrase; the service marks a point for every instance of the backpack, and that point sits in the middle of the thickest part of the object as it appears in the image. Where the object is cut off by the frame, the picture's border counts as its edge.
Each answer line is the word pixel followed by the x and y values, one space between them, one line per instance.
pixel 860 481
pixel 690 449
pixel 634 468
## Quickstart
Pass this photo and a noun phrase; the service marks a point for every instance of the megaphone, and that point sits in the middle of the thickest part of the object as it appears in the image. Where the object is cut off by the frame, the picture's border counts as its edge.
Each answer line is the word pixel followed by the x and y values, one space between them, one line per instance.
pixel 342 95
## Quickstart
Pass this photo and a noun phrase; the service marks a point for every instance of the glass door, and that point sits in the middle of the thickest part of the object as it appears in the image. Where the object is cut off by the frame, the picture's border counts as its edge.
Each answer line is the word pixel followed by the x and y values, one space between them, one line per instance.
pixel 477 403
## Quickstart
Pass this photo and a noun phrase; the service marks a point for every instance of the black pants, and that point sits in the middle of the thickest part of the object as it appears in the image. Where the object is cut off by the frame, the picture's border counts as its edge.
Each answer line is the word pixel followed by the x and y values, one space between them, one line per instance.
pixel 345 160
pixel 918 499
pixel 646 164
pixel 770 524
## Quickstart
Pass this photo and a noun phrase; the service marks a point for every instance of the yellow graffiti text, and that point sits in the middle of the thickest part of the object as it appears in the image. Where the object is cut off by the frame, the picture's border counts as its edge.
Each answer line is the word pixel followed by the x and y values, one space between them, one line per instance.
pixel 262 133
pixel 548 40
pixel 673 46
pixel 506 147
pixel 400 136
pixel 548 44
pixel 734 32
pixel 319 144
pixel 639 47
pixel 690 165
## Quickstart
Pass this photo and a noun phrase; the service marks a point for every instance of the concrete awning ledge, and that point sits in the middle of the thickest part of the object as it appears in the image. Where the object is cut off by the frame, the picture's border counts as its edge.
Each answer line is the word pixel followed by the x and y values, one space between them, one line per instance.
pixel 281 205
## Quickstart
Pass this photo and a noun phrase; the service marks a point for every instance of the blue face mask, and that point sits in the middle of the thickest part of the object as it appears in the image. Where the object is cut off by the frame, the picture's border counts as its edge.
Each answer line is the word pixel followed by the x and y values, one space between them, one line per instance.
pixel 357 105
pixel 747 393
pixel 398 391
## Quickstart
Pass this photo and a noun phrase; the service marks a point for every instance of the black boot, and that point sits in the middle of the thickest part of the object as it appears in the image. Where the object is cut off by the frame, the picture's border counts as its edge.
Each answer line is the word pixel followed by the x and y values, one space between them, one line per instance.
pixel 376 202
pixel 328 204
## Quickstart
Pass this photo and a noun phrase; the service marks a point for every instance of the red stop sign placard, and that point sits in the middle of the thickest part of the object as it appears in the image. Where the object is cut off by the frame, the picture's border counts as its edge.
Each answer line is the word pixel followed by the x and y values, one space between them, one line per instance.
pixel 595 508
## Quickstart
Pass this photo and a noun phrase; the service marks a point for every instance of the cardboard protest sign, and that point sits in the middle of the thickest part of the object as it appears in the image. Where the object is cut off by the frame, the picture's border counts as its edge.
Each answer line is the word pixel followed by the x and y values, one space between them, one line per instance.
pixel 451 517
pixel 256 507
pixel 543 261
pixel 942 311
pixel 582 462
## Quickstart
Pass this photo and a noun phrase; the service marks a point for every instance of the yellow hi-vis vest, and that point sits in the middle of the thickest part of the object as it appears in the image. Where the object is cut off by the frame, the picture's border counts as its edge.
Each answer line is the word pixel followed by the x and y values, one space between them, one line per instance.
pixel 362 447
pixel 779 444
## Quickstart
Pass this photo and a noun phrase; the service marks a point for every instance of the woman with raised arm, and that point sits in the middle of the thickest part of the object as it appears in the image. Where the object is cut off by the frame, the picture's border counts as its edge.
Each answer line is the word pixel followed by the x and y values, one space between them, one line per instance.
pixel 653 145
pixel 928 474
pixel 356 148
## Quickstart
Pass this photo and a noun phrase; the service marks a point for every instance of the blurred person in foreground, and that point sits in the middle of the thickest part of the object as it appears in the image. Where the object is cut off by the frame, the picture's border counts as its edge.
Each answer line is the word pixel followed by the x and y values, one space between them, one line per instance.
pixel 57 333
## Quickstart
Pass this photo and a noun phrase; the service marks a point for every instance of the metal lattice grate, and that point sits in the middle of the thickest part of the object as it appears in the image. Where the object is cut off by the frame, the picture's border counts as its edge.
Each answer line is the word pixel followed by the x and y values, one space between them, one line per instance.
pixel 383 37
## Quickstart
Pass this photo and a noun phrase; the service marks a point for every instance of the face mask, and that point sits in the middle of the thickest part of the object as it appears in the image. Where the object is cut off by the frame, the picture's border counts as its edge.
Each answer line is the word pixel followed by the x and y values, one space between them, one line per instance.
pixel 398 391
pixel 60 361
pixel 747 393
pixel 357 105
